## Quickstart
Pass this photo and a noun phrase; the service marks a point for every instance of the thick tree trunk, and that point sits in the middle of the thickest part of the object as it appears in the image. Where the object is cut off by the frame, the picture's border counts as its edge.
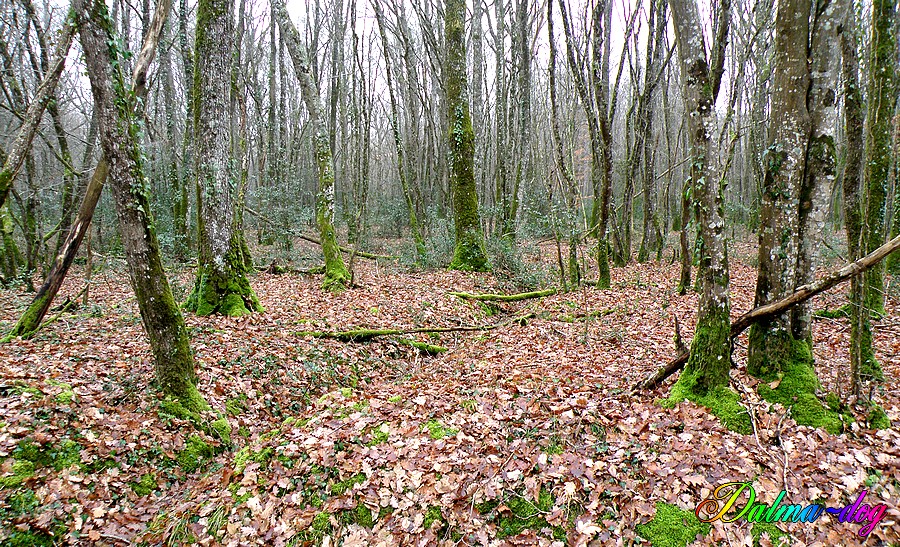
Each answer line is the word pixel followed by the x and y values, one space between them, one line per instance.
pixel 20 147
pixel 336 274
pixel 469 253
pixel 772 347
pixel 222 285
pixel 163 322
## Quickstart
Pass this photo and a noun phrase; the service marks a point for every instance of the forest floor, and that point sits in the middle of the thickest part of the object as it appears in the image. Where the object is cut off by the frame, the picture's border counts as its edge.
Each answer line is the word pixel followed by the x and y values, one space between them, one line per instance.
pixel 526 434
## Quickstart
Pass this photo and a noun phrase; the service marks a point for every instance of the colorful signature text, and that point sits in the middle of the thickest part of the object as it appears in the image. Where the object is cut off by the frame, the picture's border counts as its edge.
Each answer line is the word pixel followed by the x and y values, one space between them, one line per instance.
pixel 727 497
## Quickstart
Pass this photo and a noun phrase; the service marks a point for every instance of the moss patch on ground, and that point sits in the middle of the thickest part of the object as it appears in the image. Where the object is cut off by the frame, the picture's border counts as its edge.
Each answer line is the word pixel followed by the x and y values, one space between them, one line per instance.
pixel 438 431
pixel 145 486
pixel 21 471
pixel 523 514
pixel 672 527
pixel 721 401
pixel 878 419
pixel 196 453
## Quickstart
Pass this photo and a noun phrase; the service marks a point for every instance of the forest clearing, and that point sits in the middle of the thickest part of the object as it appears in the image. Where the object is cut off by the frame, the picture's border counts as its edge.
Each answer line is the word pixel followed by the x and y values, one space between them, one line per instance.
pixel 449 272
pixel 523 435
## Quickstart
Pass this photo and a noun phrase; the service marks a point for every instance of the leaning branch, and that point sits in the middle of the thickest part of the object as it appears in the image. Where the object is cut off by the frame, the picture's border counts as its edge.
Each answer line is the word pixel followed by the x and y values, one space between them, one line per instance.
pixel 801 295
pixel 505 297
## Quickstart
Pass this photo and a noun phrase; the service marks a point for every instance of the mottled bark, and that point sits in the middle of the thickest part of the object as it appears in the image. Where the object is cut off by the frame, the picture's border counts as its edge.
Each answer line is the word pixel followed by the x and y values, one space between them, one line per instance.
pixel 709 363
pixel 785 170
pixel 221 285
pixel 114 106
pixel 336 274
pixel 820 168
pixel 469 253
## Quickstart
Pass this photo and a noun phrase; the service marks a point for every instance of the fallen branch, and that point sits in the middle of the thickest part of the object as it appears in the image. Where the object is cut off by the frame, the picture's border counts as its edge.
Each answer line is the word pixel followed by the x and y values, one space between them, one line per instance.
pixel 801 295
pixel 364 335
pixel 430 349
pixel 277 269
pixel 504 297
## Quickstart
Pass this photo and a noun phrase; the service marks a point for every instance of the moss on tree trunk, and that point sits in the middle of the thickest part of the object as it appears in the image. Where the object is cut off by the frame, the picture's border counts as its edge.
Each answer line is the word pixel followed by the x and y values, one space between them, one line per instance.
pixel 882 97
pixel 469 253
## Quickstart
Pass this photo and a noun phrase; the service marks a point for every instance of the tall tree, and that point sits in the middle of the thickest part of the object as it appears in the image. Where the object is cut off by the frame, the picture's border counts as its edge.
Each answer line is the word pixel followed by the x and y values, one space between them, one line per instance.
pixel 222 285
pixel 336 274
pixel 398 136
pixel 114 104
pixel 882 98
pixel 705 378
pixel 799 170
pixel 469 253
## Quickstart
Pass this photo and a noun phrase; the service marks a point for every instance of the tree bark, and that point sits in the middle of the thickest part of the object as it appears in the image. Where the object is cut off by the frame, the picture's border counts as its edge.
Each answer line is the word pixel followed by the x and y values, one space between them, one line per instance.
pixel 469 253
pixel 882 99
pixel 221 285
pixel 336 275
pixel 709 364
pixel 118 125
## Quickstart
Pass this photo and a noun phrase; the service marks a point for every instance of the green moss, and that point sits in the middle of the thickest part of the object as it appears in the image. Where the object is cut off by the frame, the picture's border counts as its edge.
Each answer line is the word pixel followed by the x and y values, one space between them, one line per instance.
pixel 224 291
pixel 428 349
pixel 672 527
pixel 437 431
pixel 361 515
pixel 246 455
pixel 62 455
pixel 878 419
pixel 523 515
pixel 339 488
pixel 67 396
pixel 221 429
pixel 785 367
pixel 724 403
pixel 22 470
pixel 237 405
pixel 433 514
pixel 346 392
pixel 395 399
pixel 145 486
pixel 833 402
pixel 837 313
pixel 195 454
pixel 379 435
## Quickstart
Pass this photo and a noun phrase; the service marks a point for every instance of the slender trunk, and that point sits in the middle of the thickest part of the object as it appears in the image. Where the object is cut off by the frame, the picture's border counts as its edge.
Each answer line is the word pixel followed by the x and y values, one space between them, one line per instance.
pixel 118 125
pixel 336 274
pixel 398 138
pixel 882 99
pixel 22 144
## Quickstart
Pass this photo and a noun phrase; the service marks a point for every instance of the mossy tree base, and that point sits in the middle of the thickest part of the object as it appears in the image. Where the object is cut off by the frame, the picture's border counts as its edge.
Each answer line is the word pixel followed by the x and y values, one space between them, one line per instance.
pixel 215 292
pixel 705 378
pixel 785 366
pixel 470 255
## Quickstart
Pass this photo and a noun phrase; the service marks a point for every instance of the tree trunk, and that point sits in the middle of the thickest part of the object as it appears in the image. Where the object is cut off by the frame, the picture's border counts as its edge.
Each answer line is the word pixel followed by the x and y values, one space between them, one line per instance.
pixel 336 275
pixel 469 253
pixel 882 99
pixel 706 377
pixel 119 129
pixel 222 285
pixel 398 137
